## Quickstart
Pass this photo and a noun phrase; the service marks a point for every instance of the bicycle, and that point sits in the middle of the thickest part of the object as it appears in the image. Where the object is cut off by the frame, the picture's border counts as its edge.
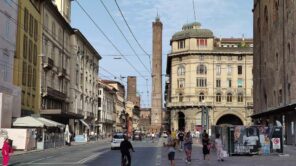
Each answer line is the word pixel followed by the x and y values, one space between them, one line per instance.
pixel 124 161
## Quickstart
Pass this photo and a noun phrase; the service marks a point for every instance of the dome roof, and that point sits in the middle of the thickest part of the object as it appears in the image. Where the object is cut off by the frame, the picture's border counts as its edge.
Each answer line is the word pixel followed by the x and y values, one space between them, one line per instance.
pixel 191 25
pixel 191 33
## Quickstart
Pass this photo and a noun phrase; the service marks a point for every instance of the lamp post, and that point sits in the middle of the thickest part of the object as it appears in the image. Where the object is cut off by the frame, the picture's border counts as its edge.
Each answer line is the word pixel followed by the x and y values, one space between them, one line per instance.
pixel 204 116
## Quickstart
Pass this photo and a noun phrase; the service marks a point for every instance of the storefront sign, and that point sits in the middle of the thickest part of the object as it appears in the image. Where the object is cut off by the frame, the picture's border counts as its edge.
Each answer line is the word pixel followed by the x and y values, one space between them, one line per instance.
pixel 276 143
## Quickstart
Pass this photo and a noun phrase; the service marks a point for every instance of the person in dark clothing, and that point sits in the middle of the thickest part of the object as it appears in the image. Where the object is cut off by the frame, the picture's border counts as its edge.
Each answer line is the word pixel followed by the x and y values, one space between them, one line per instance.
pixel 206 147
pixel 125 146
pixel 181 139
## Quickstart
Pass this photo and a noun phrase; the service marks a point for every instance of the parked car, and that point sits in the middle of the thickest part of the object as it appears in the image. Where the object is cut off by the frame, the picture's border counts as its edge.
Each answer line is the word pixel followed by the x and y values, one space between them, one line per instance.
pixel 137 136
pixel 164 135
pixel 116 140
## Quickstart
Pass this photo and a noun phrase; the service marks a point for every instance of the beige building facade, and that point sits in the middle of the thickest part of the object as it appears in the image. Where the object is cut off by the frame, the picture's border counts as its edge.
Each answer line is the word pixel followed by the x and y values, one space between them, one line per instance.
pixel 119 103
pixel 64 7
pixel 203 77
pixel 107 112
pixel 274 65
pixel 55 75
pixel 84 64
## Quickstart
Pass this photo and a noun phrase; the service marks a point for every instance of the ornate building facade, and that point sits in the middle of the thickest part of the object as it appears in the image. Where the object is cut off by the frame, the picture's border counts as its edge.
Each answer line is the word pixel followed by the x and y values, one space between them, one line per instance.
pixel 207 84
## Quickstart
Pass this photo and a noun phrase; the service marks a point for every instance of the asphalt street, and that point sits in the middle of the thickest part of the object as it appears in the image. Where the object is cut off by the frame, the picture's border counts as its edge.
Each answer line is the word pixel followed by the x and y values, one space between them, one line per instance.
pixel 92 154
pixel 147 154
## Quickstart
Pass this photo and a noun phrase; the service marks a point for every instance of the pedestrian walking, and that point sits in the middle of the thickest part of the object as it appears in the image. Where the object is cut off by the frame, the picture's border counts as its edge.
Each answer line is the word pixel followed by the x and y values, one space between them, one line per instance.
pixel 188 147
pixel 152 136
pixel 174 134
pixel 6 151
pixel 206 147
pixel 125 147
pixel 203 134
pixel 181 139
pixel 219 148
pixel 171 144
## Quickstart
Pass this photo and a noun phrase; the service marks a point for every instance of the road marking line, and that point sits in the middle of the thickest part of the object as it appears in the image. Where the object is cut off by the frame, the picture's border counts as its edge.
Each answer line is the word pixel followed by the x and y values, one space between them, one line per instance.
pixel 39 160
pixel 91 157
pixel 66 163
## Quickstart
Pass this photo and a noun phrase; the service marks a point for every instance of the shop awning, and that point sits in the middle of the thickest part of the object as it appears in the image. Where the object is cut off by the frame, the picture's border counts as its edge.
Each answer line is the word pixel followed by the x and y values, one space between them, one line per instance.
pixel 84 123
pixel 30 121
pixel 275 111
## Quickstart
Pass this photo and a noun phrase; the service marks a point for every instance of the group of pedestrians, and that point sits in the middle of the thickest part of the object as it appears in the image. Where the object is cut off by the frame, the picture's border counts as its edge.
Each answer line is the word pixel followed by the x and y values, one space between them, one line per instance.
pixel 207 145
pixel 183 141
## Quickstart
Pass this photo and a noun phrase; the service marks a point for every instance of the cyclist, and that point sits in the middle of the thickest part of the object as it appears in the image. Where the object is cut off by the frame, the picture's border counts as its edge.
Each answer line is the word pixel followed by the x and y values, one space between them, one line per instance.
pixel 125 146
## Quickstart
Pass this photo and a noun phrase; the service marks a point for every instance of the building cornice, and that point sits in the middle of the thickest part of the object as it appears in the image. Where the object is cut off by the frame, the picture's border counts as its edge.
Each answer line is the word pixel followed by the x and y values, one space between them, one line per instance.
pixel 211 52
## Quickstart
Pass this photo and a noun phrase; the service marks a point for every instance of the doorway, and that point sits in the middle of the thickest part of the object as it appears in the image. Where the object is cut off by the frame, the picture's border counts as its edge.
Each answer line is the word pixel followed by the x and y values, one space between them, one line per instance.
pixel 181 121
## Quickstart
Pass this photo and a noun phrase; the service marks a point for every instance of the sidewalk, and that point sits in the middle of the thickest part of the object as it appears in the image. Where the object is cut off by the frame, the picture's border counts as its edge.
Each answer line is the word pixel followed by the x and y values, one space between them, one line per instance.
pixel 21 152
pixel 256 160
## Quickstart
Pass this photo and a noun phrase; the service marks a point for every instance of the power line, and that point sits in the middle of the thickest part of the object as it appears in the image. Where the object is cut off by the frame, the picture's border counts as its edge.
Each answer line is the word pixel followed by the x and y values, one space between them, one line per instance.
pixel 133 33
pixel 109 40
pixel 123 35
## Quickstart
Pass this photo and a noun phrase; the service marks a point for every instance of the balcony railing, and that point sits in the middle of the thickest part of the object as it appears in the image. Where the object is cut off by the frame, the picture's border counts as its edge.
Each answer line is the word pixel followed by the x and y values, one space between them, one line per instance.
pixel 50 92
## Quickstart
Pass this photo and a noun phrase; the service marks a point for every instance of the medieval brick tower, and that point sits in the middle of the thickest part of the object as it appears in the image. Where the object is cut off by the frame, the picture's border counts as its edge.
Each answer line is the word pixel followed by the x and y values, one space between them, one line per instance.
pixel 156 102
pixel 132 90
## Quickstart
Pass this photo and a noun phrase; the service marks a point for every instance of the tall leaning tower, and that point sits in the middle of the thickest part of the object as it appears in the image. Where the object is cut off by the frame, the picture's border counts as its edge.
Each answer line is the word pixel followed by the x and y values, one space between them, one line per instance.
pixel 156 107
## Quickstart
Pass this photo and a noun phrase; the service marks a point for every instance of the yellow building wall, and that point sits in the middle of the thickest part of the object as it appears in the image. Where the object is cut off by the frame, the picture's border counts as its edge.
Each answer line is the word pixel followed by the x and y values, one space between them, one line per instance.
pixel 30 94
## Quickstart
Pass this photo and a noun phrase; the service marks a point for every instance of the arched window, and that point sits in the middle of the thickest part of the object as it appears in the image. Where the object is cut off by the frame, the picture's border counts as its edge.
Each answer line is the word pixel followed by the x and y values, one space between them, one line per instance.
pixel 218 97
pixel 229 97
pixel 240 97
pixel 201 97
pixel 181 71
pixel 201 69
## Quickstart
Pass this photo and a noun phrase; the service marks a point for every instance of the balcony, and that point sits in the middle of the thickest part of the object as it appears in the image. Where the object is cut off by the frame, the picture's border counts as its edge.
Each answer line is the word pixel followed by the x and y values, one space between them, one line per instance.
pixel 52 93
pixel 62 72
pixel 48 63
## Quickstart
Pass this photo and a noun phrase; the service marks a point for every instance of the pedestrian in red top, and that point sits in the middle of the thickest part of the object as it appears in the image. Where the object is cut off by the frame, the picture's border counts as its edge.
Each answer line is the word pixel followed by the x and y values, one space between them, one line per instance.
pixel 6 151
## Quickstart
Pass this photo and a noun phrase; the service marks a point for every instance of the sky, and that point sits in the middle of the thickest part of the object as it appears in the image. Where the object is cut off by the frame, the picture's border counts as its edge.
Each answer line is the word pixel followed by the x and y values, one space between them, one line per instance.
pixel 226 18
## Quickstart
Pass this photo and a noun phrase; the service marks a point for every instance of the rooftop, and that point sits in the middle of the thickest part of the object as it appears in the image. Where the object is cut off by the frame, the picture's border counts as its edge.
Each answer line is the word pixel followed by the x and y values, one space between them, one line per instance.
pixel 192 30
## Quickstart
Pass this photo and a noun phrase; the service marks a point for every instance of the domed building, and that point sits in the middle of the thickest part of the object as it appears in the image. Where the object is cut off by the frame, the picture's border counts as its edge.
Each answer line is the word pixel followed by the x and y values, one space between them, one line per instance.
pixel 209 80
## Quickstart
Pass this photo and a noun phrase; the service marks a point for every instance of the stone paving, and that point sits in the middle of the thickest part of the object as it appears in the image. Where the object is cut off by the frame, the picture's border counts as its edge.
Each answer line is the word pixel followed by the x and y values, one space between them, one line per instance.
pixel 288 159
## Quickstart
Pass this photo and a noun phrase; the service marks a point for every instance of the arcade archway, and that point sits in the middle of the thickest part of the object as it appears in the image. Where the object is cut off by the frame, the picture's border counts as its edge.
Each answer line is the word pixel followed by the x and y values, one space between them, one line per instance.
pixel 229 119
pixel 181 120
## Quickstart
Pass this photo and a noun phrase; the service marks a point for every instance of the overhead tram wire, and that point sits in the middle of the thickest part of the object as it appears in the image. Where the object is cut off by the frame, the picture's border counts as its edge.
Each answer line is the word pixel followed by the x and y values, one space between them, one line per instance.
pixel 123 35
pixel 109 40
pixel 133 34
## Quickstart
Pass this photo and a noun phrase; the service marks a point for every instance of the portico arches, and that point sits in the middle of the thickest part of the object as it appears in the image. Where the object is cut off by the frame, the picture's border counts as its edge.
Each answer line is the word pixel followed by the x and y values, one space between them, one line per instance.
pixel 231 119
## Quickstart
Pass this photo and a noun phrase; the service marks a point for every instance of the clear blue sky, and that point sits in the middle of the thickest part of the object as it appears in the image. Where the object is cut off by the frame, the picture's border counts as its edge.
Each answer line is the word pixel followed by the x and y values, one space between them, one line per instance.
pixel 226 18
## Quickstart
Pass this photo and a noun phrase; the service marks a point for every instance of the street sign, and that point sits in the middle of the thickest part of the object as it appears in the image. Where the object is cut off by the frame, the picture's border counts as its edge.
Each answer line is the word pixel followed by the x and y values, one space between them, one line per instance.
pixel 276 143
